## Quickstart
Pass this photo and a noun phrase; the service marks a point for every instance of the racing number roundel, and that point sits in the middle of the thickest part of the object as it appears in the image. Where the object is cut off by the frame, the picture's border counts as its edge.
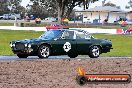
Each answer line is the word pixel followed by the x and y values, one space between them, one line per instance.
pixel 67 47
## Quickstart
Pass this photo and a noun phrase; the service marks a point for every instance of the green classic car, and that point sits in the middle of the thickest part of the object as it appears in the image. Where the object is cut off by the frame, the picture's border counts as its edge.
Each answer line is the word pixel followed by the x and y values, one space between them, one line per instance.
pixel 71 42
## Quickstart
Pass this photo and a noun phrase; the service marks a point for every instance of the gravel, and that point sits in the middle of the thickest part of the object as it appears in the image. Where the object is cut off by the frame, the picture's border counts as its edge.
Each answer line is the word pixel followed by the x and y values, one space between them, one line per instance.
pixel 60 73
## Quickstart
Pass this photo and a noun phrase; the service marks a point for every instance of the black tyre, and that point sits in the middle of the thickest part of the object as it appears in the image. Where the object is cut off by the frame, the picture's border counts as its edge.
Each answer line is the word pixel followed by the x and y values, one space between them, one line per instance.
pixel 44 51
pixel 81 80
pixel 94 52
pixel 22 55
pixel 72 55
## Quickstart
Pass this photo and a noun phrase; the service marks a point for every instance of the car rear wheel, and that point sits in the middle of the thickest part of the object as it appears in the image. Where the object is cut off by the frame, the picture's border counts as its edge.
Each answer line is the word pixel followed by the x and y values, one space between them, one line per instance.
pixel 44 51
pixel 72 55
pixel 94 52
pixel 22 55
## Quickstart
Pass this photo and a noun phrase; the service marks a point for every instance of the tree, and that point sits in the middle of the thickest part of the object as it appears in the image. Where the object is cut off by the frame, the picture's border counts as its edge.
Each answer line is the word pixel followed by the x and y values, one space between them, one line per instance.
pixel 11 6
pixel 129 5
pixel 62 7
pixel 14 6
pixel 3 6
pixel 43 9
pixel 65 7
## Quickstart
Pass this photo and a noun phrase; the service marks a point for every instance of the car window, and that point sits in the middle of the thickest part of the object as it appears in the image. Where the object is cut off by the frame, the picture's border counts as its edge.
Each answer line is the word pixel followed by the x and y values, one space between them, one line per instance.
pixel 81 35
pixel 68 35
pixel 87 36
pixel 51 34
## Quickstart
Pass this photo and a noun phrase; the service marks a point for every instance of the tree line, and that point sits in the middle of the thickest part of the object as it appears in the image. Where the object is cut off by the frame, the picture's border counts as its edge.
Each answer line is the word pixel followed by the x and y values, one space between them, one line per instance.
pixel 46 8
pixel 11 6
pixel 60 8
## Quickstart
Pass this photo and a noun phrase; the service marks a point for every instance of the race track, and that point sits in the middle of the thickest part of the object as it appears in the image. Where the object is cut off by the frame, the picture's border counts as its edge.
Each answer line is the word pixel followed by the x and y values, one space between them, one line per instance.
pixel 13 58
pixel 59 72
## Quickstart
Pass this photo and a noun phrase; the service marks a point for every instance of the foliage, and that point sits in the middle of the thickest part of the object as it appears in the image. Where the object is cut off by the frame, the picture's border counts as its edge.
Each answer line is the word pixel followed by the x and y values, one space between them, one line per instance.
pixel 3 6
pixel 14 6
pixel 43 8
pixel 129 6
pixel 10 6
pixel 62 8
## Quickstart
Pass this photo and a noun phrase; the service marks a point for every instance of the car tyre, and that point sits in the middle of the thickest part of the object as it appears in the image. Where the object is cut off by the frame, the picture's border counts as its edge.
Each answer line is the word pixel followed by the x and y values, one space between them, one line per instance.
pixel 81 80
pixel 72 55
pixel 94 52
pixel 130 32
pixel 44 51
pixel 22 55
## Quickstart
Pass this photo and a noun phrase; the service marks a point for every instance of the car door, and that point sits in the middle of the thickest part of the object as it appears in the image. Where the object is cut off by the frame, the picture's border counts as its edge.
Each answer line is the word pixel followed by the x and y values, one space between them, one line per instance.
pixel 65 43
pixel 83 42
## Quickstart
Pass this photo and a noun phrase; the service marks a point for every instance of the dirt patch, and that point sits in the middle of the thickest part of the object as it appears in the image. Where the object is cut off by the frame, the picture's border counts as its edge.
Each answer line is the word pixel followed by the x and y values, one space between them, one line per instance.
pixel 60 73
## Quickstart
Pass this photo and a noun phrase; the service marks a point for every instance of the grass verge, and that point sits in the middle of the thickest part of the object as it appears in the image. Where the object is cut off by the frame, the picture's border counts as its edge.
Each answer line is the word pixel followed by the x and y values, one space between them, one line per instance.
pixel 122 44
pixel 6 24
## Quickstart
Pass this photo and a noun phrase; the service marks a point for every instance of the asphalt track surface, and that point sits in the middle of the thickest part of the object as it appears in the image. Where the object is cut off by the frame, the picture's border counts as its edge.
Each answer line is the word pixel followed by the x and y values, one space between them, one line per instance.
pixel 15 58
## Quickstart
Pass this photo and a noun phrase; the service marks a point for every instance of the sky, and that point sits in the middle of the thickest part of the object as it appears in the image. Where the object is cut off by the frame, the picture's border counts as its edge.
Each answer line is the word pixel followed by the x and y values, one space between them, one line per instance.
pixel 25 2
pixel 121 3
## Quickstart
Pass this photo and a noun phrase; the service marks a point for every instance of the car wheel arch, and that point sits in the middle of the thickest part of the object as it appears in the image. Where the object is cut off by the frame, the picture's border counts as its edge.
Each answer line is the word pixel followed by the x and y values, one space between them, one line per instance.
pixel 44 44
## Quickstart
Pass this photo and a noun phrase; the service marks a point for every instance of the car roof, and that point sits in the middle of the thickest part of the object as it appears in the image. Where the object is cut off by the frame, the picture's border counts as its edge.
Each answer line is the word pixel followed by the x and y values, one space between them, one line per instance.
pixel 66 29
pixel 79 30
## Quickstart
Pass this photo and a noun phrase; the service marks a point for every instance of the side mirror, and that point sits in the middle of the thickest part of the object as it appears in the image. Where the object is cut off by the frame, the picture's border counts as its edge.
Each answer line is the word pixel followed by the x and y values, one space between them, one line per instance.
pixel 92 37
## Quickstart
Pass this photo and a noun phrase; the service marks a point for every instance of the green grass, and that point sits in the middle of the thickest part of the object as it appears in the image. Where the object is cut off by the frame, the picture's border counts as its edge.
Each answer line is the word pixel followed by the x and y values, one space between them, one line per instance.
pixel 122 44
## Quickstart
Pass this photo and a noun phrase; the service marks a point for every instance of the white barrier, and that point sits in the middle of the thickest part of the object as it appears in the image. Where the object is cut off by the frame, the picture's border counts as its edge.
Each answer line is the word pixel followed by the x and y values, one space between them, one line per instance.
pixel 98 30
pixel 90 30
pixel 23 28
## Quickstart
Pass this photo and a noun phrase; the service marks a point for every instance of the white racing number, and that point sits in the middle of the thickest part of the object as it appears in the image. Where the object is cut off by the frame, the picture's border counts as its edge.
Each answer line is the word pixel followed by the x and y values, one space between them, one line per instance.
pixel 67 47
